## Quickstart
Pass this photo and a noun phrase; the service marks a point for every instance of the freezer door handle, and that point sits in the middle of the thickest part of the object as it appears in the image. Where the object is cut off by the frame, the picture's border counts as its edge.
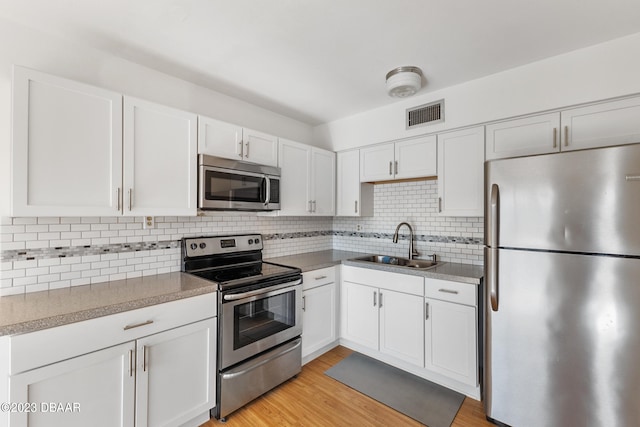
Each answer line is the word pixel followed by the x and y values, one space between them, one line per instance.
pixel 492 252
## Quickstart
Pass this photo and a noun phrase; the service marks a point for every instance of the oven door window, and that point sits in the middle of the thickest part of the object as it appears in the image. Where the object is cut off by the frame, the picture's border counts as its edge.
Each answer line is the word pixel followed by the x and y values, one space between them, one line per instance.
pixel 233 187
pixel 262 318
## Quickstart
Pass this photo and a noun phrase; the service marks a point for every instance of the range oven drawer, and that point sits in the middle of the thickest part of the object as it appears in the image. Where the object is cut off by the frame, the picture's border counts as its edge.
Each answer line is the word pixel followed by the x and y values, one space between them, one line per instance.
pixel 243 383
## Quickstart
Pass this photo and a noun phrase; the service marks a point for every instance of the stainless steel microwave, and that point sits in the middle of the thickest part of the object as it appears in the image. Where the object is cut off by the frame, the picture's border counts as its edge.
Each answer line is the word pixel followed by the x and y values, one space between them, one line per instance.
pixel 225 184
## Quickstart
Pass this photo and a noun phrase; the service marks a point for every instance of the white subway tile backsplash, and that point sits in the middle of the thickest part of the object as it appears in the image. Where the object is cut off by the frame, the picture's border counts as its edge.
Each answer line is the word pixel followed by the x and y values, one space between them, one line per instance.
pixel 71 251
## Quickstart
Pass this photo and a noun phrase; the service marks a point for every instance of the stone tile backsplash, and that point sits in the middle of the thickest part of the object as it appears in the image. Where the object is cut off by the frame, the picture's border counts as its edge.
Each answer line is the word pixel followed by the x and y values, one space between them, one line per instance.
pixel 49 253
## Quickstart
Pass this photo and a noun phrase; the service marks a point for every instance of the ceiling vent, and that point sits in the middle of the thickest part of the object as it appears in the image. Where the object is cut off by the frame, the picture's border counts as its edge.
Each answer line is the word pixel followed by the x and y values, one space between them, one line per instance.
pixel 425 114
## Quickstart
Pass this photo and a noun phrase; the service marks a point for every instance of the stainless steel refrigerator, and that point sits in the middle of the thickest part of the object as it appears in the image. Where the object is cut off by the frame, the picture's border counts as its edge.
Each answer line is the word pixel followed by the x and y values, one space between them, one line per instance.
pixel 562 300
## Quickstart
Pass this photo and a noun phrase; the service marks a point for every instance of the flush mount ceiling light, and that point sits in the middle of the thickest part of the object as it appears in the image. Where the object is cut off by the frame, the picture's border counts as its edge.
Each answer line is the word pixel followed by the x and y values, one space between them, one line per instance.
pixel 404 81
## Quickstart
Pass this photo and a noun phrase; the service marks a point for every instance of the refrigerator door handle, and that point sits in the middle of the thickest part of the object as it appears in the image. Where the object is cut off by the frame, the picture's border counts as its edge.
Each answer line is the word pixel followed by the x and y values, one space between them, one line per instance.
pixel 492 252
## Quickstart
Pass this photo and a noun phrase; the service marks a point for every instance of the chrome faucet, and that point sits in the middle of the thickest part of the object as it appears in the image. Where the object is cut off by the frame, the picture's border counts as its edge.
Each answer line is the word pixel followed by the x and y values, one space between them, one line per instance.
pixel 412 251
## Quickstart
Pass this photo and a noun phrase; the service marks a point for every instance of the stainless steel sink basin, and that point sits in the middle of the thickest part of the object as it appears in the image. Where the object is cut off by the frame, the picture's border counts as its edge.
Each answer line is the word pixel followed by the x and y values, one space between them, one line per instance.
pixel 416 264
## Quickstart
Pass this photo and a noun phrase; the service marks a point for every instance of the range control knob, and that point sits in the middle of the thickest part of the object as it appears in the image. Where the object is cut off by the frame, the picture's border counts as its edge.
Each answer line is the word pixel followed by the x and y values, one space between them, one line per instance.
pixel 203 245
pixel 193 246
pixel 251 241
pixel 257 241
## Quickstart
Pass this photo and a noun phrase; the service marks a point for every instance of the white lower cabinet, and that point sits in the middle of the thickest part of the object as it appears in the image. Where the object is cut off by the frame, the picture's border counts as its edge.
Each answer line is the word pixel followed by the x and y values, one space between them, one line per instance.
pixel 382 319
pixel 450 340
pixel 175 378
pixel 155 378
pixel 99 386
pixel 319 313
pixel 425 326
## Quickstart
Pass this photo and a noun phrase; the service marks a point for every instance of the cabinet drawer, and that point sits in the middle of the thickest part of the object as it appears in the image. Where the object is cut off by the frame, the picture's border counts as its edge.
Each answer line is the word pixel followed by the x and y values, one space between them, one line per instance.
pixel 315 278
pixel 385 280
pixel 32 350
pixel 460 293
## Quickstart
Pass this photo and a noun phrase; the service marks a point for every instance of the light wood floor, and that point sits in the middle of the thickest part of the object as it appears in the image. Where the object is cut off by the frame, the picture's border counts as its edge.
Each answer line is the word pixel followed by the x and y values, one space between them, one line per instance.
pixel 315 399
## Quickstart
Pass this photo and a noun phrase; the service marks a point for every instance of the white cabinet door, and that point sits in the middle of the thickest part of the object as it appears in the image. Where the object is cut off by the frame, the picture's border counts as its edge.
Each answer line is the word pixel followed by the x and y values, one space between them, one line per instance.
pixel 318 318
pixel 600 125
pixel 359 319
pixel 176 374
pixel 217 138
pixel 99 386
pixel 523 137
pixel 160 145
pixel 376 163
pixel 401 326
pixel 416 158
pixel 260 147
pixel 461 172
pixel 67 147
pixel 450 340
pixel 322 181
pixel 295 198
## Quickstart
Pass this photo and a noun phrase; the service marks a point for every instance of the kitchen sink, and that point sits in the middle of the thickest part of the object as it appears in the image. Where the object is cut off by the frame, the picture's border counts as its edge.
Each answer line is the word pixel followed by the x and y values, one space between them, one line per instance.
pixel 416 264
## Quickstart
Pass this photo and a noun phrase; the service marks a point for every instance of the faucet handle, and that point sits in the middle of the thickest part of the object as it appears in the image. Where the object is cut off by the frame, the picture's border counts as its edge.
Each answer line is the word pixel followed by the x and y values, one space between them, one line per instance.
pixel 415 252
pixel 433 257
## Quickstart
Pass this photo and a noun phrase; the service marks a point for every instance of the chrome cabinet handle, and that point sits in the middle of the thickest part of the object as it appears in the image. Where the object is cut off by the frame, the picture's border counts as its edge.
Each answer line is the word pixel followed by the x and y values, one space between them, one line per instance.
pixel 380 300
pixel 374 298
pixel 130 363
pixel 240 149
pixel 566 136
pixel 439 204
pixel 555 137
pixel 144 358
pixel 130 198
pixel 320 277
pixel 137 325
pixel 356 209
pixel 390 168
pixel 396 168
pixel 426 310
pixel 632 178
pixel 118 199
pixel 246 145
pixel 310 207
pixel 304 303
pixel 448 291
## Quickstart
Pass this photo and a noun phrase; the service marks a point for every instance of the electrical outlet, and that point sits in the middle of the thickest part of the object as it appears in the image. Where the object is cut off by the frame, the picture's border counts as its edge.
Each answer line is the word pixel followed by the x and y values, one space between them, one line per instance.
pixel 148 223
pixel 358 227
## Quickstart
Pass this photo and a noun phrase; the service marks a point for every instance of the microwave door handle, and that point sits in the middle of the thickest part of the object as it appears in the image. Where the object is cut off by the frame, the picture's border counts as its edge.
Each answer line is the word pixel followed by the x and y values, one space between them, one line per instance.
pixel 267 198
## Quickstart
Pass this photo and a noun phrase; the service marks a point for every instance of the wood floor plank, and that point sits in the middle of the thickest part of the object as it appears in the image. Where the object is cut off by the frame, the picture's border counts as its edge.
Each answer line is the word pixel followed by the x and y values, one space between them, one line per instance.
pixel 314 399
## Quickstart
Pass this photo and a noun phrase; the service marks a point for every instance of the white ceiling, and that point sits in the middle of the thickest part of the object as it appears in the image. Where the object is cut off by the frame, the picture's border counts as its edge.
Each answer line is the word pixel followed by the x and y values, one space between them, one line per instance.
pixel 320 60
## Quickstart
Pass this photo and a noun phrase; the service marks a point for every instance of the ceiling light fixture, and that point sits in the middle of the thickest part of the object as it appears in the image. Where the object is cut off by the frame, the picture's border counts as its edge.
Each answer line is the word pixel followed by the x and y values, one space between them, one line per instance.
pixel 404 81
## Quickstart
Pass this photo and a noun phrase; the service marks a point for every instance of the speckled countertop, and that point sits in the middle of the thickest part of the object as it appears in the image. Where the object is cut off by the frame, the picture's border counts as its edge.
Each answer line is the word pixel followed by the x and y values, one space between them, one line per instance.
pixel 47 309
pixel 465 273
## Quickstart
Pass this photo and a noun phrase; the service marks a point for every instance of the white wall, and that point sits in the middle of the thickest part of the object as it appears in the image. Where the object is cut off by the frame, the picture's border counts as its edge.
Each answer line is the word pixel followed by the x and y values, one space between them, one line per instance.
pixel 599 72
pixel 65 58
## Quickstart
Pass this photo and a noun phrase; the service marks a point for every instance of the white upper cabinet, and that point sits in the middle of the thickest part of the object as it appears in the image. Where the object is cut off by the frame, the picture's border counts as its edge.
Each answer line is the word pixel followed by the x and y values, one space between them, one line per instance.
pixel 600 125
pixel 67 147
pixel 400 160
pixel 160 146
pixel 592 126
pixel 307 183
pixel 74 155
pixel 523 137
pixel 353 198
pixel 461 172
pixel 416 158
pixel 218 138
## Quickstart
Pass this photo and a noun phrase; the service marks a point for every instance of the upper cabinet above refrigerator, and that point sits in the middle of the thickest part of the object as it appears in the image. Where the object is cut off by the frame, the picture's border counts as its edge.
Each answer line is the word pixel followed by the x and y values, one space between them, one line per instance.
pixel 597 125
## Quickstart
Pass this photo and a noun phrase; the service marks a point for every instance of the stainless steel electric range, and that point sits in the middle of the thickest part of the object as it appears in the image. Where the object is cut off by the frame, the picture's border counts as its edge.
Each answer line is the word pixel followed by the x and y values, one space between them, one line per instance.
pixel 259 316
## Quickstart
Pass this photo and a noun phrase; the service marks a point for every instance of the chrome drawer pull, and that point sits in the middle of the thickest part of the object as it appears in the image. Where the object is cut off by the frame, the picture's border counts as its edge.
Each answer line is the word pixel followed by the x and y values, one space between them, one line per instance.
pixel 448 291
pixel 632 177
pixel 137 325
pixel 320 277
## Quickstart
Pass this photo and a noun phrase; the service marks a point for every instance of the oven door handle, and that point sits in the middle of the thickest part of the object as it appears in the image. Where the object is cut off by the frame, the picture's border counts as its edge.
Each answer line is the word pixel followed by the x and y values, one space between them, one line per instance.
pixel 235 297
